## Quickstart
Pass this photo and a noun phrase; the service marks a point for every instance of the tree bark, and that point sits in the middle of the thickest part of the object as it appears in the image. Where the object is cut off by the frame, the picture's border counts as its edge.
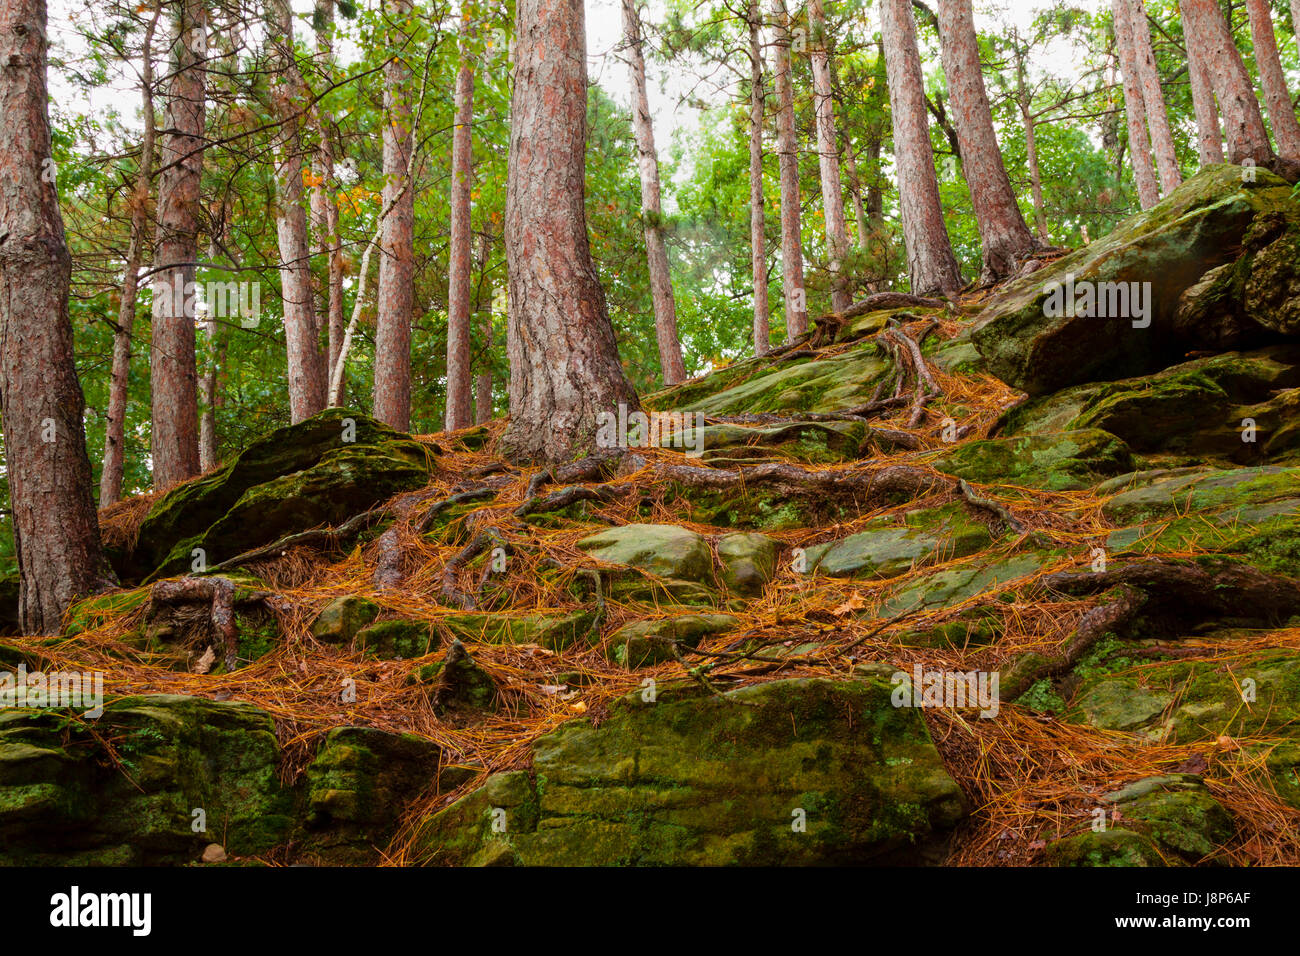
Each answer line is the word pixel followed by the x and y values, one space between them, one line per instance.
pixel 1281 113
pixel 396 292
pixel 460 275
pixel 828 155
pixel 324 205
pixel 564 363
pixel 1144 176
pixel 172 370
pixel 56 530
pixel 757 218
pixel 1153 99
pixel 792 284
pixel 931 263
pixel 1244 132
pixel 110 476
pixel 1005 237
pixel 1209 139
pixel 661 283
pixel 306 368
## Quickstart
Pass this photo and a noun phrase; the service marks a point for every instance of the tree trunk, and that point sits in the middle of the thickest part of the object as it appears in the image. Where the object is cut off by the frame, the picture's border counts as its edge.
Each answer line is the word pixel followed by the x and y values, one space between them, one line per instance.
pixel 1003 234
pixel 1153 99
pixel 757 218
pixel 396 292
pixel 1286 131
pixel 483 305
pixel 792 287
pixel 564 363
pixel 460 275
pixel 828 155
pixel 324 205
pixel 661 283
pixel 110 477
pixel 1243 124
pixel 1209 139
pixel 172 371
pixel 56 530
pixel 302 343
pixel 210 387
pixel 1144 176
pixel 931 264
pixel 1035 177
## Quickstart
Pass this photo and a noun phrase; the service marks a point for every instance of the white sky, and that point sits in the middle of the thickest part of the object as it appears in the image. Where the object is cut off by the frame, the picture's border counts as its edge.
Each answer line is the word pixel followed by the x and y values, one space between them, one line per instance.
pixel 667 86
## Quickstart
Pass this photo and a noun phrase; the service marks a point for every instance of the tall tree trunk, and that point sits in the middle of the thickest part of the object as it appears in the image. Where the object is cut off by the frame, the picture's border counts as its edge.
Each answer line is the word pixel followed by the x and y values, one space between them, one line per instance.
pixel 1286 130
pixel 792 287
pixel 56 530
pixel 757 218
pixel 828 155
pixel 1243 124
pixel 931 263
pixel 172 370
pixel 396 292
pixel 1209 139
pixel 1035 176
pixel 1003 234
pixel 661 283
pixel 483 306
pixel 110 476
pixel 301 333
pixel 564 363
pixel 1134 106
pixel 855 195
pixel 1153 98
pixel 324 204
pixel 460 275
pixel 210 388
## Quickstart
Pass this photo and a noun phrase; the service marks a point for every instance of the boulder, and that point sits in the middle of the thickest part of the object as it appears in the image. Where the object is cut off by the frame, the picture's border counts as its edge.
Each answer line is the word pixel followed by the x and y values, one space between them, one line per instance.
pixel 886 548
pixel 662 549
pixel 748 562
pixel 1056 460
pixel 807 772
pixel 318 472
pixel 1033 345
pixel 642 643
pixel 341 619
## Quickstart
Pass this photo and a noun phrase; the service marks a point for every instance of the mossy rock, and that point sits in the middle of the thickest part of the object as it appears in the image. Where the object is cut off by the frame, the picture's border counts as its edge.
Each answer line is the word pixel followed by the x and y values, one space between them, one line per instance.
pixel 642 643
pixel 356 789
pixel 1119 705
pixel 817 385
pixel 1194 409
pixel 343 618
pixel 981 574
pixel 1201 225
pixel 748 562
pixel 293 479
pixel 397 638
pixel 808 442
pixel 555 632
pixel 1059 461
pixel 888 547
pixel 661 549
pixel 457 684
pixel 62 798
pixel 809 772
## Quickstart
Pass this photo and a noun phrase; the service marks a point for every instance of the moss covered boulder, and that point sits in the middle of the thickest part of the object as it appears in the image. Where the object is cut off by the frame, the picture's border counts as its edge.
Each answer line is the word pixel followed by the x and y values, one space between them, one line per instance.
pixel 357 787
pixel 1032 344
pixel 318 472
pixel 664 550
pixel 341 620
pixel 1059 461
pixel 748 562
pixel 1198 409
pixel 555 632
pixel 792 772
pixel 185 771
pixel 641 643
pixel 889 546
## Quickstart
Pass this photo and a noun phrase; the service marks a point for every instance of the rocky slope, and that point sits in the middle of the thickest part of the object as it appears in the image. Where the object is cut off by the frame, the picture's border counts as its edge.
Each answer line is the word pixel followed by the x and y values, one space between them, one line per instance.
pixel 354 646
